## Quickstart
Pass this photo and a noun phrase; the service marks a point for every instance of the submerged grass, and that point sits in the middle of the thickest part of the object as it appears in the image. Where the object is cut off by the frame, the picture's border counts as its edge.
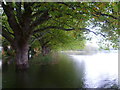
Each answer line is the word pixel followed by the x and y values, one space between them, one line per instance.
pixel 44 60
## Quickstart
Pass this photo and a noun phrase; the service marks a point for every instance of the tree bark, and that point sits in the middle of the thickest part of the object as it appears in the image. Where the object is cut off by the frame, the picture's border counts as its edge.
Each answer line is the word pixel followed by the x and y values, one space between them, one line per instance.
pixel 21 57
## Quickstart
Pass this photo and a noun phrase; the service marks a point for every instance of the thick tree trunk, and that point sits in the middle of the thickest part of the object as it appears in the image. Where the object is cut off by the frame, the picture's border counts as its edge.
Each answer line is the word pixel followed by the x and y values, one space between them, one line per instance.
pixel 22 56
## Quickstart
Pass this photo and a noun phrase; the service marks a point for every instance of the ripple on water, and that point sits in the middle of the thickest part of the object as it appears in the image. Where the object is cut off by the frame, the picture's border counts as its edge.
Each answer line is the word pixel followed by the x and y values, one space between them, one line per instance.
pixel 101 69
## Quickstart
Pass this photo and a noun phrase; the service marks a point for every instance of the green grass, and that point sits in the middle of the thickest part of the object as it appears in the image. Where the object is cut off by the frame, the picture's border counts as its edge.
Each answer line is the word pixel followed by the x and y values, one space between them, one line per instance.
pixel 40 59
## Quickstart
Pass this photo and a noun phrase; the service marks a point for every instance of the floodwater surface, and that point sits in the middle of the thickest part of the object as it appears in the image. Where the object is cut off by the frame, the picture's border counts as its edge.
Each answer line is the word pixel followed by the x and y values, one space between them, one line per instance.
pixel 101 69
pixel 98 70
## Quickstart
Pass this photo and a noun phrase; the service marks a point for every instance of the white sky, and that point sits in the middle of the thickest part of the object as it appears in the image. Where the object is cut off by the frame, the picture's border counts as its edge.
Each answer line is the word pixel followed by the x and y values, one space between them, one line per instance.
pixel 93 41
pixel 94 38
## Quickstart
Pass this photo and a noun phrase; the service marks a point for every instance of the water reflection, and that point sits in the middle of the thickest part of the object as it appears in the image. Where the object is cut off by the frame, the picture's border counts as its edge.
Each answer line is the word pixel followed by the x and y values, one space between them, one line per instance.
pixel 61 75
pixel 0 74
pixel 101 69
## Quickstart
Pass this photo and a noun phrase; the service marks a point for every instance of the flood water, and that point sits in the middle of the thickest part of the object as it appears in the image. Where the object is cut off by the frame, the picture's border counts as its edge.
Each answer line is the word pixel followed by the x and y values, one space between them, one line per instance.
pixel 99 70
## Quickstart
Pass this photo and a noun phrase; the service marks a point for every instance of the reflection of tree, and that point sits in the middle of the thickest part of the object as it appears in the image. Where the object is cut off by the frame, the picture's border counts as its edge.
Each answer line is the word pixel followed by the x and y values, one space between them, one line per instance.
pixel 22 77
pixel 80 72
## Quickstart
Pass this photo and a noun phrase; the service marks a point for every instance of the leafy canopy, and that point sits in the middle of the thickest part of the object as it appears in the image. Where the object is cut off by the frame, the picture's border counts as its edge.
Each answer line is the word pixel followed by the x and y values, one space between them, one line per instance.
pixel 46 19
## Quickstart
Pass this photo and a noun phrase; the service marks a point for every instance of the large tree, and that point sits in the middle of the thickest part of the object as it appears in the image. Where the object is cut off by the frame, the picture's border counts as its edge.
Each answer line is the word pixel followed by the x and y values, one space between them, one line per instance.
pixel 22 20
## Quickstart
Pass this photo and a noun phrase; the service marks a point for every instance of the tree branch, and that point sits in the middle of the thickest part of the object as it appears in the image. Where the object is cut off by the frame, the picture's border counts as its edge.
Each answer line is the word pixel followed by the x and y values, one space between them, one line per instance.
pixel 108 15
pixel 37 13
pixel 18 10
pixel 38 37
pixel 11 17
pixel 61 28
pixel 102 14
pixel 27 17
pixel 97 13
pixel 10 32
pixel 44 17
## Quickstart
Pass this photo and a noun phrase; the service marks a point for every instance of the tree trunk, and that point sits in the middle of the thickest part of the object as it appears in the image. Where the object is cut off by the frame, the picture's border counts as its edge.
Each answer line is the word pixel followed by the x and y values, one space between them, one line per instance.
pixel 45 50
pixel 21 57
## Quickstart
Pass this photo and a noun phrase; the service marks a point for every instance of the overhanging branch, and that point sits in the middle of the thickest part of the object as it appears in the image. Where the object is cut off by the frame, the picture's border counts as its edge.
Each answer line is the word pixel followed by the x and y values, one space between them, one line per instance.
pixel 70 29
pixel 11 17
pixel 99 13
